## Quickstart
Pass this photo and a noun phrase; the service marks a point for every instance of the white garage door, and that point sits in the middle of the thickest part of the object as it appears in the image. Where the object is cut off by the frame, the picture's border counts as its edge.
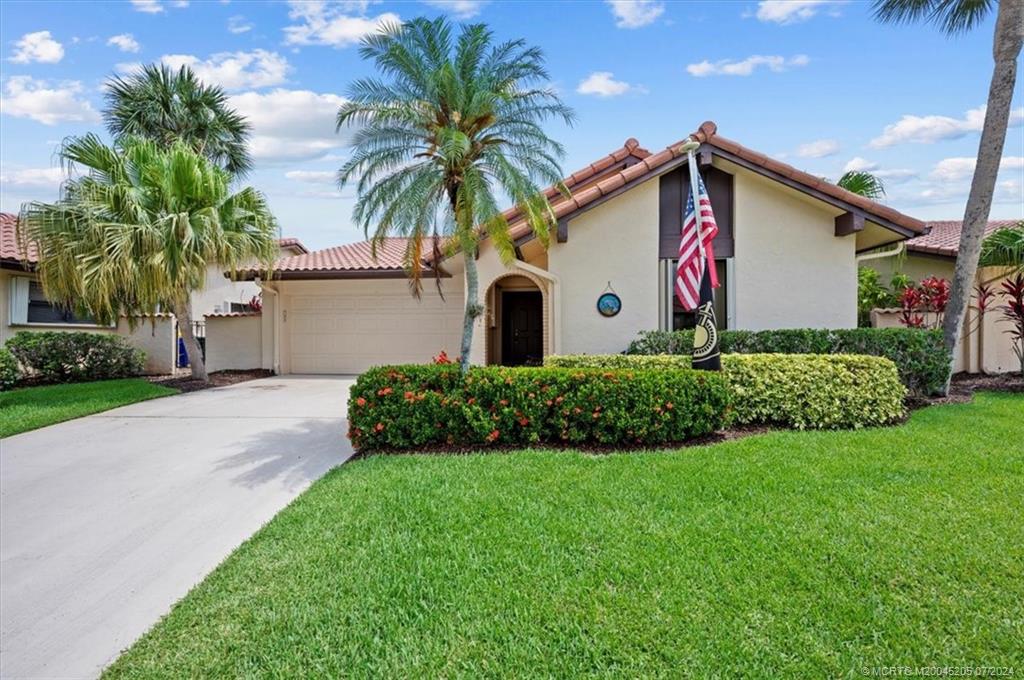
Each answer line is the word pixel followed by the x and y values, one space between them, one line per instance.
pixel 368 324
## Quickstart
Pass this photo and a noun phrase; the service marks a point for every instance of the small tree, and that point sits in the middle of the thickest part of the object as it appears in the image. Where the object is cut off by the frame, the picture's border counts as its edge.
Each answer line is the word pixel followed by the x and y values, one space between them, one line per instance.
pixel 1013 313
pixel 136 233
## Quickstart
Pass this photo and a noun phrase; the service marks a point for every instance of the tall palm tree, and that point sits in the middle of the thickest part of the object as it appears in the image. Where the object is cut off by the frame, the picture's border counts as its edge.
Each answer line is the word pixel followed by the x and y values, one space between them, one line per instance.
pixel 168 106
pixel 862 183
pixel 452 124
pixel 135 233
pixel 953 17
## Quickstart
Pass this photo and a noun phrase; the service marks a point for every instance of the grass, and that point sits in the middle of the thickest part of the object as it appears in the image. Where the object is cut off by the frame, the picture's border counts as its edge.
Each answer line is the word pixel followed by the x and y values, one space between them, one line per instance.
pixel 34 407
pixel 788 554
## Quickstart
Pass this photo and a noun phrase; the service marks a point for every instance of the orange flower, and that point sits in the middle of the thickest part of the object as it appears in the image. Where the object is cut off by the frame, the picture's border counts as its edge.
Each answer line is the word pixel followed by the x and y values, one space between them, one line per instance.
pixel 524 421
pixel 384 391
pixel 503 402
pixel 361 402
pixel 378 427
pixel 669 406
pixel 493 436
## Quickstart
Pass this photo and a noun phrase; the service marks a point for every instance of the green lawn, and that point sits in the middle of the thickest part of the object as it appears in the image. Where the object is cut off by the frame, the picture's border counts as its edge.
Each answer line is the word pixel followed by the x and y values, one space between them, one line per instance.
pixel 33 407
pixel 810 554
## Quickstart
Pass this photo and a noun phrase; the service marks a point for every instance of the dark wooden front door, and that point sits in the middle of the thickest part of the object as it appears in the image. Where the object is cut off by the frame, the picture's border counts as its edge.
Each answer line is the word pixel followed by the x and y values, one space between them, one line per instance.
pixel 522 328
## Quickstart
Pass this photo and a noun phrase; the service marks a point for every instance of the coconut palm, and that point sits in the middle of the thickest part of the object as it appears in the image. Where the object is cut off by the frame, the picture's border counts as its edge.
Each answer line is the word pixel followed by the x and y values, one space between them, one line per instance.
pixel 135 233
pixel 862 183
pixel 953 17
pixel 1004 248
pixel 159 103
pixel 452 124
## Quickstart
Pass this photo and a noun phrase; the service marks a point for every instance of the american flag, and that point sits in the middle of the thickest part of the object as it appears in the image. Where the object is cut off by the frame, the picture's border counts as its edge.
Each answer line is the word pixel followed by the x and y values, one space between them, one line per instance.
pixel 692 258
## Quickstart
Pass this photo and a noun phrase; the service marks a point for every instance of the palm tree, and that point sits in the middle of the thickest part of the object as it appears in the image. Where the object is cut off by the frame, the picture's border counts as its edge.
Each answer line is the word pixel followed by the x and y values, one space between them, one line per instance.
pixel 953 17
pixel 167 106
pixel 862 183
pixel 453 124
pixel 135 233
pixel 1004 248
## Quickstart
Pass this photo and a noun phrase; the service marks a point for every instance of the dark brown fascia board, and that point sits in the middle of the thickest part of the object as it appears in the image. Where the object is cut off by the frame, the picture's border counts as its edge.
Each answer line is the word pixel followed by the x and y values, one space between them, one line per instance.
pixel 15 266
pixel 918 251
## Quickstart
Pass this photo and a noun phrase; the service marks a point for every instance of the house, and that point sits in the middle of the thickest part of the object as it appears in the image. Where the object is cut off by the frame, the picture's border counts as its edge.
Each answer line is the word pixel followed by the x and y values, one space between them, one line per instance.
pixel 786 256
pixel 23 305
pixel 984 346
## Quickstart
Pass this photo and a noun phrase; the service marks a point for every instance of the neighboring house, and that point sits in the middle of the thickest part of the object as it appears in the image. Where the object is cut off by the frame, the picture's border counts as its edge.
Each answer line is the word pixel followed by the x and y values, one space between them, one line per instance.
pixel 984 347
pixel 786 255
pixel 23 305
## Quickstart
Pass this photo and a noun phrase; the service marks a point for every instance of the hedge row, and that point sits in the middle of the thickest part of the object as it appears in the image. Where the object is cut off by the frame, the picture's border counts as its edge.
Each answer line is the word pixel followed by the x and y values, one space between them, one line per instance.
pixel 920 357
pixel 56 357
pixel 8 370
pixel 803 391
pixel 401 407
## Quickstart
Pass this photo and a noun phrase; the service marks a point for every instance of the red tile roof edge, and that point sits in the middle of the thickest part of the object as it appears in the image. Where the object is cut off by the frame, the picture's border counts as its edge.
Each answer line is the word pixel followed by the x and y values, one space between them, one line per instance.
pixel 228 315
pixel 943 236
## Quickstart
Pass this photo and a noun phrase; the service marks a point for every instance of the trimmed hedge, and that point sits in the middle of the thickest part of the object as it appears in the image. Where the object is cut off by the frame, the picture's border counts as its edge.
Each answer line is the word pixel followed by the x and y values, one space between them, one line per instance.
pixel 920 357
pixel 402 407
pixel 8 370
pixel 803 391
pixel 55 357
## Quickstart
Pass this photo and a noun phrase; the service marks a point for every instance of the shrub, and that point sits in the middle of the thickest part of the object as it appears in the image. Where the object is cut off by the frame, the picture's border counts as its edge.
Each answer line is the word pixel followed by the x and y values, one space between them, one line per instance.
pixel 54 357
pixel 816 391
pixel 920 357
pixel 8 370
pixel 401 407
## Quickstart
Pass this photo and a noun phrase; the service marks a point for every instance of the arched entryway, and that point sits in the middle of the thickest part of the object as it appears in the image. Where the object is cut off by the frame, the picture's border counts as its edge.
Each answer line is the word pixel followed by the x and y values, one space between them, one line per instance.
pixel 518 313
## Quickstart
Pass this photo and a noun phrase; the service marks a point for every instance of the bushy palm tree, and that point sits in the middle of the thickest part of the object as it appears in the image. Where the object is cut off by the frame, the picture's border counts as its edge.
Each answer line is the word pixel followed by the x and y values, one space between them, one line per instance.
pixel 953 17
pixel 452 126
pixel 171 106
pixel 1004 248
pixel 135 232
pixel 862 183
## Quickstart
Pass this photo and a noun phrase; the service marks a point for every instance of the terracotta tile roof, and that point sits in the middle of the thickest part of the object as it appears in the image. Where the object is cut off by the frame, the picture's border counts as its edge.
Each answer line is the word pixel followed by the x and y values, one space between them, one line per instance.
pixel 10 247
pixel 943 237
pixel 228 315
pixel 351 256
pixel 585 193
pixel 293 243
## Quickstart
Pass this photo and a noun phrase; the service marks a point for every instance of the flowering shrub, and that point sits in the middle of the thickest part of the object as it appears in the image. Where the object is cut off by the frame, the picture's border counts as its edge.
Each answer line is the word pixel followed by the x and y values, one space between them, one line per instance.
pixel 442 359
pixel 929 297
pixel 920 357
pixel 803 391
pixel 400 407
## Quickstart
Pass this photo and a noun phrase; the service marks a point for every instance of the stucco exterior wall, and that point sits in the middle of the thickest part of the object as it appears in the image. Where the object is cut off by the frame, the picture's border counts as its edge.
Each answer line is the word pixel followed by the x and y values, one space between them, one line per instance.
pixel 616 243
pixel 791 271
pixel 220 290
pixel 234 342
pixel 157 337
pixel 917 267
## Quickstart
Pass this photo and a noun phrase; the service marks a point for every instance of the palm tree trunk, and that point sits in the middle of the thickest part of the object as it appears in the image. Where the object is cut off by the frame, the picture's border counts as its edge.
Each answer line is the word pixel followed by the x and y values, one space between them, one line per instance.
pixel 472 307
pixel 183 310
pixel 1006 47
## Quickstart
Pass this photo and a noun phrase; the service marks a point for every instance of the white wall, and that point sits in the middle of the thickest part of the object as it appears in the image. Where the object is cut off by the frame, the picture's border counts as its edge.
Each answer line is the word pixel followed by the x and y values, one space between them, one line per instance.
pixel 791 271
pixel 233 342
pixel 218 290
pixel 156 336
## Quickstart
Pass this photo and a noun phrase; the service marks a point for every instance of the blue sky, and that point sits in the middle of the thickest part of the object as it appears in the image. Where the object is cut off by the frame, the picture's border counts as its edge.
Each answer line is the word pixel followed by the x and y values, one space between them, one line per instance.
pixel 819 84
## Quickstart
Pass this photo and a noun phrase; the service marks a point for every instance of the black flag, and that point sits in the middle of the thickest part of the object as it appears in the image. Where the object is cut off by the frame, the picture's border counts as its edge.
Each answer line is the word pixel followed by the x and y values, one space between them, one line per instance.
pixel 706 355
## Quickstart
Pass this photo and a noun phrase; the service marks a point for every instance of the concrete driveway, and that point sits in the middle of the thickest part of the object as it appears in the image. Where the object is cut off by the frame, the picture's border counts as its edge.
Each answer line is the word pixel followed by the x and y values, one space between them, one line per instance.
pixel 106 521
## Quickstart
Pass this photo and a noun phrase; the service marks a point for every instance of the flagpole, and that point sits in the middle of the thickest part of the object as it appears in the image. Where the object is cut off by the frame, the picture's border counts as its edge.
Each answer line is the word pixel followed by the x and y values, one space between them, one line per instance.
pixel 689 146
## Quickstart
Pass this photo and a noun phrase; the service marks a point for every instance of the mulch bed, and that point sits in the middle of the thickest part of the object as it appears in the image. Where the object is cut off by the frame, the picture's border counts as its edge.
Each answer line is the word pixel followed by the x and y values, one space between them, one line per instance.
pixel 963 386
pixel 217 379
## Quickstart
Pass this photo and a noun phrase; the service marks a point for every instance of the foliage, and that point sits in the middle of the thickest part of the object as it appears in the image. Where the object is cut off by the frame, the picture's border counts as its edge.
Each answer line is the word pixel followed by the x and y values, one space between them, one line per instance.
pixel 9 371
pixel 919 355
pixel 399 407
pixel 863 184
pixel 873 294
pixel 57 357
pixel 1004 248
pixel 29 408
pixel 454 126
pixel 786 554
pixel 924 305
pixel 170 106
pixel 951 16
pixel 802 391
pixel 1013 312
pixel 137 233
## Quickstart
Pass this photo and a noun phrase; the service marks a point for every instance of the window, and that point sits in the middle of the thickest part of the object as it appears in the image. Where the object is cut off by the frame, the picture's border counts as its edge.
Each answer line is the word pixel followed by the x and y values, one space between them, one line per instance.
pixel 41 310
pixel 673 316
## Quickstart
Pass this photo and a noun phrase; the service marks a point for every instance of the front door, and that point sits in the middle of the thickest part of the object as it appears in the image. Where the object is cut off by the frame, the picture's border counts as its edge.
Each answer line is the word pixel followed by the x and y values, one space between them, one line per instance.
pixel 522 324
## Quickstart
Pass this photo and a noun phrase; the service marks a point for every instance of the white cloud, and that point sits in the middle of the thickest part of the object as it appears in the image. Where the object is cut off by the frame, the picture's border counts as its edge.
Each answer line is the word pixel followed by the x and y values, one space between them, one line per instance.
pixel 124 42
pixel 39 46
pixel 34 178
pixel 858 164
pixel 747 66
pixel 238 24
pixel 148 6
pixel 460 9
pixel 312 176
pixel 329 24
pixel 894 175
pixel 235 70
pixel 818 148
pixel 930 129
pixel 603 84
pixel 788 11
pixel 635 13
pixel 290 124
pixel 26 97
pixel 956 169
